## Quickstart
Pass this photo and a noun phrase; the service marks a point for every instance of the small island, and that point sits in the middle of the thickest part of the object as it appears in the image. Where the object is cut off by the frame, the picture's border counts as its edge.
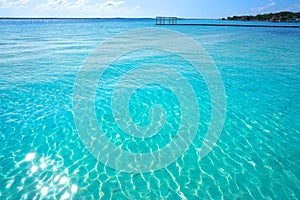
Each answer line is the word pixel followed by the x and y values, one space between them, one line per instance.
pixel 271 17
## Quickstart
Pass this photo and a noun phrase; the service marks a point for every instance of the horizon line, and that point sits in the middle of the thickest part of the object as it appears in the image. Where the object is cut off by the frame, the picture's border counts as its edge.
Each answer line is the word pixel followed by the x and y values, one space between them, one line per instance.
pixel 192 18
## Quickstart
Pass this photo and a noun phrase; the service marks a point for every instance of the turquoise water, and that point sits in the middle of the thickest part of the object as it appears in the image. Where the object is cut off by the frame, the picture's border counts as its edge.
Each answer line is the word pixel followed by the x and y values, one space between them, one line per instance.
pixel 257 155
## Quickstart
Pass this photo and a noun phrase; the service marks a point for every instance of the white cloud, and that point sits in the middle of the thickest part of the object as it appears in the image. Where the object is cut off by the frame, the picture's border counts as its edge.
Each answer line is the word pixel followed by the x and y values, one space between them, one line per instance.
pixel 74 8
pixel 294 8
pixel 112 3
pixel 108 5
pixel 64 5
pixel 13 3
pixel 78 5
pixel 265 7
pixel 54 4
pixel 23 1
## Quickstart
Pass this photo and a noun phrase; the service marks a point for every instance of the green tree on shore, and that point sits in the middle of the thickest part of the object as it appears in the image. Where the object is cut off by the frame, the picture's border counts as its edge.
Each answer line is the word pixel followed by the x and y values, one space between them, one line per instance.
pixel 273 17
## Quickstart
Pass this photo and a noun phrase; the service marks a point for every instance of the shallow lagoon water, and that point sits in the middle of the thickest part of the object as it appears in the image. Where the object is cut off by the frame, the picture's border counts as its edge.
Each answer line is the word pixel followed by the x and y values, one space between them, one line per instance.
pixel 41 155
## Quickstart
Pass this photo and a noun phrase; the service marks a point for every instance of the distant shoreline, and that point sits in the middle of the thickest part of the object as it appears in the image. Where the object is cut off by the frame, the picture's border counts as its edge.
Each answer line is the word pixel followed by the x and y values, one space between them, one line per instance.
pixel 293 17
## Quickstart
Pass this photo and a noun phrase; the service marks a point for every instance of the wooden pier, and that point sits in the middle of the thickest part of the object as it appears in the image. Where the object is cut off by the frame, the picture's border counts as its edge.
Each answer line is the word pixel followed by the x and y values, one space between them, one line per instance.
pixel 166 20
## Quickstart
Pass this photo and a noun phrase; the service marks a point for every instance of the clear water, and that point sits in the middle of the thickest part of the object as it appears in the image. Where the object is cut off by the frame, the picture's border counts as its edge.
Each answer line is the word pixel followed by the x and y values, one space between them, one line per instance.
pixel 41 156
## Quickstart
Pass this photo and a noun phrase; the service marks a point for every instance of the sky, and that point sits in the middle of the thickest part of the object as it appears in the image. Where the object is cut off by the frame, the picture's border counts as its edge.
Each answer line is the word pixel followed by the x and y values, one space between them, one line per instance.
pixel 143 8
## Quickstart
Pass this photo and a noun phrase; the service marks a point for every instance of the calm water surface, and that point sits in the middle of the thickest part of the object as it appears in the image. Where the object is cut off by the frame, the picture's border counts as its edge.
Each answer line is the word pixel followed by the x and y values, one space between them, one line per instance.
pixel 41 156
